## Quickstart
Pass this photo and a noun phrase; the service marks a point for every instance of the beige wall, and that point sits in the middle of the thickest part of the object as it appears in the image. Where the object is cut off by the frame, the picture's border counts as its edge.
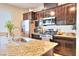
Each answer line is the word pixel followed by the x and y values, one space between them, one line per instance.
pixel 17 13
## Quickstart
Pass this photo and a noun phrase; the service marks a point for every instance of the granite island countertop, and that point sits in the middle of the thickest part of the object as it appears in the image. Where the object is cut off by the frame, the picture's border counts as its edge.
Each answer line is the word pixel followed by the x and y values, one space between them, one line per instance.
pixel 33 48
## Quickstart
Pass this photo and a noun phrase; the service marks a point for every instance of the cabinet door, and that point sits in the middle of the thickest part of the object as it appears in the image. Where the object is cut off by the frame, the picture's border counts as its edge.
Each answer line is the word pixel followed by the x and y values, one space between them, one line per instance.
pixel 29 15
pixel 32 15
pixel 46 13
pixel 40 15
pixel 60 48
pixel 60 15
pixel 50 12
pixel 70 13
pixel 35 15
pixel 70 47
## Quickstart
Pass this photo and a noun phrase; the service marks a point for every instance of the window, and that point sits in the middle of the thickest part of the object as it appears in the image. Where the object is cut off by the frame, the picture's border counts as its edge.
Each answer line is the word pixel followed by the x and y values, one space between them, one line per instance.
pixel 4 17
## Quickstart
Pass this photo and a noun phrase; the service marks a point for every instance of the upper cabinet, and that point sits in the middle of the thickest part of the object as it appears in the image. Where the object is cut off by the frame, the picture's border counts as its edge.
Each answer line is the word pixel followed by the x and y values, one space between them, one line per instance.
pixel 45 13
pixel 60 15
pixel 40 15
pixel 50 12
pixel 29 16
pixel 70 14
pixel 65 14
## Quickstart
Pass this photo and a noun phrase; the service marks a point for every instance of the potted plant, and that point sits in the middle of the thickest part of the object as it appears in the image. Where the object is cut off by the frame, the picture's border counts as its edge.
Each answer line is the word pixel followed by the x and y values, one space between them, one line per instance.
pixel 9 26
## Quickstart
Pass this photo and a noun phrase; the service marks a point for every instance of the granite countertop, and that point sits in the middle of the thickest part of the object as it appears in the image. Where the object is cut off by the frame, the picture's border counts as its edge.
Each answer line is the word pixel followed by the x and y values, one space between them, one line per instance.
pixel 33 48
pixel 36 33
pixel 65 36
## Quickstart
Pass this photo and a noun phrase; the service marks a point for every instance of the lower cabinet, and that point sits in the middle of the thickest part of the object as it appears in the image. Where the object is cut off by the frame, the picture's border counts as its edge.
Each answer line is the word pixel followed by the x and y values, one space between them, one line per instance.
pixel 66 46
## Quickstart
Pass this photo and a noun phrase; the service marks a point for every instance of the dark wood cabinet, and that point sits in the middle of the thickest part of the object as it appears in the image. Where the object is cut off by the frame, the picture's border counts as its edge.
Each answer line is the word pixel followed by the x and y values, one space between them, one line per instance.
pixel 70 14
pixel 70 47
pixel 66 46
pixel 60 15
pixel 60 48
pixel 50 12
pixel 45 13
pixel 40 15
pixel 30 16
pixel 65 14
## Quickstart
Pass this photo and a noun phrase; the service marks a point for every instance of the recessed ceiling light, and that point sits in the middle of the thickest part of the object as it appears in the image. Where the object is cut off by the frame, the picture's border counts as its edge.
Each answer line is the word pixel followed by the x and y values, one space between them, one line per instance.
pixel 72 8
pixel 52 13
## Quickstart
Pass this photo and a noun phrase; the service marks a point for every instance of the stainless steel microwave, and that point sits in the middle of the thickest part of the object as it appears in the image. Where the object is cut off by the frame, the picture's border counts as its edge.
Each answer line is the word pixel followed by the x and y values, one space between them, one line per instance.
pixel 49 21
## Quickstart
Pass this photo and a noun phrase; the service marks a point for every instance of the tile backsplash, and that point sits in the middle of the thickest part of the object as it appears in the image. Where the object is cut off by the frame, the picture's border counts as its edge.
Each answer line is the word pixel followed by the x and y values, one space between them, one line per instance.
pixel 65 28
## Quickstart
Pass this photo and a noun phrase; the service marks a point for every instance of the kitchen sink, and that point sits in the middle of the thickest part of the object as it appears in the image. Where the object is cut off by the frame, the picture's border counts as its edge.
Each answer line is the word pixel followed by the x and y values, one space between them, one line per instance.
pixel 27 39
pixel 22 39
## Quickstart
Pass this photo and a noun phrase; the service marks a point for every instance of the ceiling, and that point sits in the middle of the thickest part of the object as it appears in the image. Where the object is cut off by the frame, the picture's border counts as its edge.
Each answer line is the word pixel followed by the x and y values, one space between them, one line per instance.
pixel 26 5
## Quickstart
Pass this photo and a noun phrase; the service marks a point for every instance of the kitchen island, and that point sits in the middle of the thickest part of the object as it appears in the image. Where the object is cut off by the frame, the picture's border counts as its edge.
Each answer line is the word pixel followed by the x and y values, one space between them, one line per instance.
pixel 31 48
